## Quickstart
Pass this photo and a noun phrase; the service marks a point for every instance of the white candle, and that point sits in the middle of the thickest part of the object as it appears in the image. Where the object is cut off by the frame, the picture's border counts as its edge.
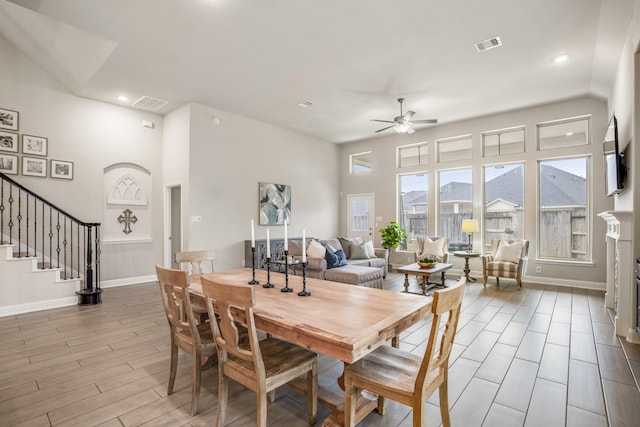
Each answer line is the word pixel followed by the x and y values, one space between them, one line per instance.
pixel 253 236
pixel 286 241
pixel 304 247
pixel 268 245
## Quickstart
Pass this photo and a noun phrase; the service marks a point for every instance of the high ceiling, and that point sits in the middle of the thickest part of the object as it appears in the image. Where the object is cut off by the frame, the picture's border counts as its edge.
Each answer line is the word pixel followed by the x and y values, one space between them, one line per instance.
pixel 350 58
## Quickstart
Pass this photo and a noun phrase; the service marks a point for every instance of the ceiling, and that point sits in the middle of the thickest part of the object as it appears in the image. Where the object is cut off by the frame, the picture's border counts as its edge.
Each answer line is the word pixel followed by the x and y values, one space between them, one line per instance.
pixel 351 59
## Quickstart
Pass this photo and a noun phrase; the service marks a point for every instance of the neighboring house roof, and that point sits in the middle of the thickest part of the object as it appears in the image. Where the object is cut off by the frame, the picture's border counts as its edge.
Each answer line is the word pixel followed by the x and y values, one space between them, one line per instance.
pixel 455 191
pixel 562 188
pixel 415 198
pixel 501 187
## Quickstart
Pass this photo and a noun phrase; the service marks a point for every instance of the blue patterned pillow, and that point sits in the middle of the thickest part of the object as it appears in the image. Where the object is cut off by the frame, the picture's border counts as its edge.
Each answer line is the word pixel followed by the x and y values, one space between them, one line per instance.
pixel 337 259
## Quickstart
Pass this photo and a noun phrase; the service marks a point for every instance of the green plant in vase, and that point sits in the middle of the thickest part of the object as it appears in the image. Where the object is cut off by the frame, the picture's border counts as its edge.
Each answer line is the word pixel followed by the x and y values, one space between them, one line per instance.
pixel 392 235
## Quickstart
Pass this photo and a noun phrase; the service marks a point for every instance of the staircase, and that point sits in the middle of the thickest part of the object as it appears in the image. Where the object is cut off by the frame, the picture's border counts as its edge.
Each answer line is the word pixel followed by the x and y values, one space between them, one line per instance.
pixel 48 258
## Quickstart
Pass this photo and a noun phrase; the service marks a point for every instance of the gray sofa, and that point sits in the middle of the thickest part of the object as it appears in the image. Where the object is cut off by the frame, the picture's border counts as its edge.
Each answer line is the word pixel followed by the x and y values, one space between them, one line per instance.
pixel 317 267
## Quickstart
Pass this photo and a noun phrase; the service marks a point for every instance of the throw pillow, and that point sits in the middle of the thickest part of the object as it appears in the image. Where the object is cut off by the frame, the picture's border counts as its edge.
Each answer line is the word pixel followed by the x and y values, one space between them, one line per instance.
pixel 359 251
pixel 346 242
pixel 433 247
pixel 315 250
pixel 370 250
pixel 509 252
pixel 342 259
pixel 295 247
pixel 331 258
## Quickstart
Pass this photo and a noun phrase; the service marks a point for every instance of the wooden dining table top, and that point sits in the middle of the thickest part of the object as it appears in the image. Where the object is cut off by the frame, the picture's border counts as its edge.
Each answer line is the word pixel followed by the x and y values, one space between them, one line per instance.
pixel 339 320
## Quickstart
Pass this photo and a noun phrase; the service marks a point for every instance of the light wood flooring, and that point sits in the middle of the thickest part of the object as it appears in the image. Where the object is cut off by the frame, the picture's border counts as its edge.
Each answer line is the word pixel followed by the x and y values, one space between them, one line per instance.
pixel 542 356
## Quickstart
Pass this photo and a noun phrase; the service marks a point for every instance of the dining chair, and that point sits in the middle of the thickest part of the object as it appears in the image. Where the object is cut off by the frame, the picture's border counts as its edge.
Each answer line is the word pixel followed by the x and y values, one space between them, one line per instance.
pixel 186 334
pixel 262 365
pixel 406 377
pixel 196 260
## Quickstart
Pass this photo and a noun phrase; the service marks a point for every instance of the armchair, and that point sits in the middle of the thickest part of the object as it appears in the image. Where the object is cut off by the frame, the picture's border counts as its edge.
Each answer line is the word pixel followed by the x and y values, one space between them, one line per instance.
pixel 437 247
pixel 508 259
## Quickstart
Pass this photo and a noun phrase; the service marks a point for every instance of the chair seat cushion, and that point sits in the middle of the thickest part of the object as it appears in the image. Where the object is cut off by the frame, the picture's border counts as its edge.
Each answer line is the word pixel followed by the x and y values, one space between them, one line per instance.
pixel 502 269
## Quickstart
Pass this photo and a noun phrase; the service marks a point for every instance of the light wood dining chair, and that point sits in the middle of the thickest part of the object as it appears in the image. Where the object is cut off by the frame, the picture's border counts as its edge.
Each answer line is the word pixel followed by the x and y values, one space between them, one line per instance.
pixel 406 377
pixel 193 338
pixel 262 365
pixel 195 261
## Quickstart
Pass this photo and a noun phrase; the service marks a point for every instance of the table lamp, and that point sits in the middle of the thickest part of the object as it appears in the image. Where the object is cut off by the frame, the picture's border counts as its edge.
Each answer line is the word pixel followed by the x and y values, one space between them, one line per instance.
pixel 470 226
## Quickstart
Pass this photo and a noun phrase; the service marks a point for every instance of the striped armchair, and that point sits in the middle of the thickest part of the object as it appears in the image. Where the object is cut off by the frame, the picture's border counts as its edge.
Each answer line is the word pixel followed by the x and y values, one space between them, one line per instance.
pixel 505 262
pixel 423 252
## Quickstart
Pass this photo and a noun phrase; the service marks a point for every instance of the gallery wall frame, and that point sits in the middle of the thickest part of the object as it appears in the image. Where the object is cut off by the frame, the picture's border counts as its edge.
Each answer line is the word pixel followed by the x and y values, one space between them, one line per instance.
pixel 9 164
pixel 34 145
pixel 275 203
pixel 9 141
pixel 9 119
pixel 61 169
pixel 33 166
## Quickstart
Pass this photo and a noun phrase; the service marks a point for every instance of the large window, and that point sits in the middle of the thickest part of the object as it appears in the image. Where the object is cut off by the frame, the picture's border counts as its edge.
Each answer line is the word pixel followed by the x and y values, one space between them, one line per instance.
pixel 457 148
pixel 413 207
pixel 564 209
pixel 360 163
pixel 503 203
pixel 563 133
pixel 413 155
pixel 456 204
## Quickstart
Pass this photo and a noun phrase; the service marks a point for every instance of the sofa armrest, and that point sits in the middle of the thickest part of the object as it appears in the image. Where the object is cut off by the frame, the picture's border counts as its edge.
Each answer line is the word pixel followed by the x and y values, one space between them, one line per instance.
pixel 383 253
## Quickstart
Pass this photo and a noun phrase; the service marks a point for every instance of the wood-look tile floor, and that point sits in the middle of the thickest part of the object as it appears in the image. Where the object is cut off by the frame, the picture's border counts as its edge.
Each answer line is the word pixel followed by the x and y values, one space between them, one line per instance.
pixel 542 356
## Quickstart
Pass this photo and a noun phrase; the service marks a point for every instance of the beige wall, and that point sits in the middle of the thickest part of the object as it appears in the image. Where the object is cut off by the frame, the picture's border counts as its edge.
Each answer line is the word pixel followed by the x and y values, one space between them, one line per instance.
pixel 383 181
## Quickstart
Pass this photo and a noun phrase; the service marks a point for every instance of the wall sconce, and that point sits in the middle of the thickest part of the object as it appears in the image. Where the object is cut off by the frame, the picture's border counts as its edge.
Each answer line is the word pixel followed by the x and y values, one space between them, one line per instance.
pixel 470 226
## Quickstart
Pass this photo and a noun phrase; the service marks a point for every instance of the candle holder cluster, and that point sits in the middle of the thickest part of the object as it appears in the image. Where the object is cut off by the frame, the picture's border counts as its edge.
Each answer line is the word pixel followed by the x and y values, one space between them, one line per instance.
pixel 303 293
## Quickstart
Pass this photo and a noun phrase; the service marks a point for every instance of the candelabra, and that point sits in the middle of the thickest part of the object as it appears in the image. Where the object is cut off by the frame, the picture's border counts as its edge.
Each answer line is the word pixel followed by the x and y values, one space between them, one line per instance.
pixel 268 284
pixel 253 281
pixel 286 273
pixel 304 292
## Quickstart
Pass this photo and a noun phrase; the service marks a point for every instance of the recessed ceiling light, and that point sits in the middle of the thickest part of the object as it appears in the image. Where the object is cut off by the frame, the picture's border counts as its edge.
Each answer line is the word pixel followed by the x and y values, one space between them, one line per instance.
pixel 305 104
pixel 560 59
pixel 122 98
pixel 568 134
pixel 488 44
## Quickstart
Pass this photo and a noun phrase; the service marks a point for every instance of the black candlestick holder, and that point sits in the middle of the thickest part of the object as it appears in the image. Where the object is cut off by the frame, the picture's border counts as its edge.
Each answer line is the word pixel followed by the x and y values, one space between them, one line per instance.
pixel 286 273
pixel 304 292
pixel 253 281
pixel 268 284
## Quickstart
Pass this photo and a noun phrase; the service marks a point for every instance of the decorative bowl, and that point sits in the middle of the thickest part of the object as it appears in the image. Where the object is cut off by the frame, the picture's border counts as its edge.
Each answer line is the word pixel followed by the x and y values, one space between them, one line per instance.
pixel 427 264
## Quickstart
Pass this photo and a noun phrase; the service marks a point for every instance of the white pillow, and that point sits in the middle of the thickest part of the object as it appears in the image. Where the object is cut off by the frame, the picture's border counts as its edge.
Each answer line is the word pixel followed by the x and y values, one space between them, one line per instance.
pixel 433 247
pixel 509 252
pixel 315 250
pixel 370 250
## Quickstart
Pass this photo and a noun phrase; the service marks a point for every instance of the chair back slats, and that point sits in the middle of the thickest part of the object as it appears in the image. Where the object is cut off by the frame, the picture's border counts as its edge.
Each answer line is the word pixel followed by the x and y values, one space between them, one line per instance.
pixel 174 286
pixel 445 302
pixel 196 260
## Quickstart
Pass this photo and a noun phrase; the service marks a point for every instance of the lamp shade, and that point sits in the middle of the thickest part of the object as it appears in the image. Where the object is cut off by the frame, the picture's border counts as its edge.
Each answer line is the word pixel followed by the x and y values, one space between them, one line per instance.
pixel 470 226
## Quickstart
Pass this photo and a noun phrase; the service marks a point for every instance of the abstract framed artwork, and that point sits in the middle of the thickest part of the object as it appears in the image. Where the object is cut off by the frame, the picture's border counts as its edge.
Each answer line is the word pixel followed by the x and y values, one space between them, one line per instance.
pixel 9 141
pixel 35 145
pixel 8 164
pixel 61 169
pixel 32 166
pixel 8 119
pixel 275 204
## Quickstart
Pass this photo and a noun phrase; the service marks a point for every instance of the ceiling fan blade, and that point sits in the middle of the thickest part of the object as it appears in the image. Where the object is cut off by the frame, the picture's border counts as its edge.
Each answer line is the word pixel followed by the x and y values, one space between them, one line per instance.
pixel 383 121
pixel 380 130
pixel 407 116
pixel 420 122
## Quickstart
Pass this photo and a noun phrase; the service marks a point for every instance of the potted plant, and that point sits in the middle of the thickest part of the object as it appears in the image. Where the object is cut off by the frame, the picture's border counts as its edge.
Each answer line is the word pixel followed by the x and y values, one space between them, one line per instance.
pixel 392 235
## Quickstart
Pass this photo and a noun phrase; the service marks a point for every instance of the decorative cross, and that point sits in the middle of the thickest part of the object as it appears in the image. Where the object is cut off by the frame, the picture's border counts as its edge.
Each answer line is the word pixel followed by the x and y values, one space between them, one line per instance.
pixel 127 218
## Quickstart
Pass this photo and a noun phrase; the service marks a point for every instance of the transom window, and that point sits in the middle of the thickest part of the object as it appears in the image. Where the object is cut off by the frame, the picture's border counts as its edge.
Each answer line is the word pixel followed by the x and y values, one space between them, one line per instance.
pixel 360 163
pixel 413 155
pixel 505 141
pixel 563 133
pixel 457 148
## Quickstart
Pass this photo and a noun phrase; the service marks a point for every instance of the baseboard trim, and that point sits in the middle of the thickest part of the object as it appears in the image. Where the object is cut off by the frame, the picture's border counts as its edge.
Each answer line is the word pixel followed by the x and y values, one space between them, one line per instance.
pixel 37 306
pixel 128 281
pixel 537 280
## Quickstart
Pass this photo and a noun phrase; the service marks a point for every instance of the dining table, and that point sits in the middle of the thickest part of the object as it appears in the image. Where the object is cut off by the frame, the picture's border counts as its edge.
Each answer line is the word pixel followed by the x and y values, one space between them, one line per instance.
pixel 339 320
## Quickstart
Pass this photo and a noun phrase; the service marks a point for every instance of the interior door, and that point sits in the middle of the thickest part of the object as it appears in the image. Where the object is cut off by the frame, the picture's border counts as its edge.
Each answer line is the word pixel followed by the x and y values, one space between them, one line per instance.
pixel 175 223
pixel 360 216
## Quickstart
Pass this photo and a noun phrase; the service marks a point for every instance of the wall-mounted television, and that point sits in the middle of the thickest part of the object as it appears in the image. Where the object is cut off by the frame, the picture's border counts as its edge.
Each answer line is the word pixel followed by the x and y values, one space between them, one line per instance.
pixel 614 165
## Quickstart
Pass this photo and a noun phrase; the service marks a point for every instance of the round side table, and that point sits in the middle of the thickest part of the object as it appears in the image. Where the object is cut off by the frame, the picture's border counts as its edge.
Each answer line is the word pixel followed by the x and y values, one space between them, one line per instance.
pixel 466 255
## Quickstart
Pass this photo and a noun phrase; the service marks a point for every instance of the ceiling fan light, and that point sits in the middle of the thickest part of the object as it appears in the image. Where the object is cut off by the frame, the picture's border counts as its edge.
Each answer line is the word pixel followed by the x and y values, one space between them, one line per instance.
pixel 401 127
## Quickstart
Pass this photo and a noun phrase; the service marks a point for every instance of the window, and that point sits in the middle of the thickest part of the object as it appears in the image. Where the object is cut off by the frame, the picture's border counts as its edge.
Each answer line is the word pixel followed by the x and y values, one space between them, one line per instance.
pixel 503 203
pixel 455 204
pixel 413 155
pixel 563 133
pixel 457 148
pixel 413 207
pixel 360 163
pixel 563 210
pixel 505 141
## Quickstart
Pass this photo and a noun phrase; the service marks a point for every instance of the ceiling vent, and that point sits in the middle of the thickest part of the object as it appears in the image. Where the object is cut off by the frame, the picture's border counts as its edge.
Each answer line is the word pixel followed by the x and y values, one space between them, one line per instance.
pixel 488 44
pixel 149 103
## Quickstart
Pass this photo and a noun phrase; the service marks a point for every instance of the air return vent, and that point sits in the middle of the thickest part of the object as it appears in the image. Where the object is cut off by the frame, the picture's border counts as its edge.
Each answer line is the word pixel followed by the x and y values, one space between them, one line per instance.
pixel 149 103
pixel 488 44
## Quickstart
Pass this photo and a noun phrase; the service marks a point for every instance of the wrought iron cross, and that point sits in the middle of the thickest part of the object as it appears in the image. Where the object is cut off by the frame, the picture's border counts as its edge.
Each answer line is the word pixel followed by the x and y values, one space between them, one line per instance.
pixel 127 218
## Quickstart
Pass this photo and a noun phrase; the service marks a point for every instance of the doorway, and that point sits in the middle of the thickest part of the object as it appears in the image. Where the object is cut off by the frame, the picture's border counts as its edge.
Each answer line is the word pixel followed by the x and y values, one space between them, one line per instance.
pixel 173 225
pixel 360 216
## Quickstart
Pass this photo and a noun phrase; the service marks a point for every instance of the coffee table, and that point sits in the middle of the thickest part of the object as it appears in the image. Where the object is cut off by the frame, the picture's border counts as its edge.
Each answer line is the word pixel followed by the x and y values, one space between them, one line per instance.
pixel 415 269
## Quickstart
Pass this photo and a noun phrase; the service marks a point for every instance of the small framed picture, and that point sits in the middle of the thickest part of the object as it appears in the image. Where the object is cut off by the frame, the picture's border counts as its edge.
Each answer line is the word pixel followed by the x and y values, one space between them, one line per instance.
pixel 9 141
pixel 61 169
pixel 8 119
pixel 9 164
pixel 36 145
pixel 32 166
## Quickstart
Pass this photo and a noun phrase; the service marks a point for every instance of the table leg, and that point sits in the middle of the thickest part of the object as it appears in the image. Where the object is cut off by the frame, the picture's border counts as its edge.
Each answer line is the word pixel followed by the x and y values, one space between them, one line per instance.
pixel 443 279
pixel 406 282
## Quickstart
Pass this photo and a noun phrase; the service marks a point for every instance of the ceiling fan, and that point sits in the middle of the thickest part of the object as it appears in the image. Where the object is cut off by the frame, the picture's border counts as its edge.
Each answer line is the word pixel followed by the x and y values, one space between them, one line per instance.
pixel 403 122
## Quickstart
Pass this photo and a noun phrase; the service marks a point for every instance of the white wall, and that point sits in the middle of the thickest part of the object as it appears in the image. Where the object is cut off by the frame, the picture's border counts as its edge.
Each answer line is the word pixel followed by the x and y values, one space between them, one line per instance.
pixel 383 181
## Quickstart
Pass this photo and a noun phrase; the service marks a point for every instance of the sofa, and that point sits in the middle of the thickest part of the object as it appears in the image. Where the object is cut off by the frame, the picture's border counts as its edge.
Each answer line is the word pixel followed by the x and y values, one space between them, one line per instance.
pixel 357 268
